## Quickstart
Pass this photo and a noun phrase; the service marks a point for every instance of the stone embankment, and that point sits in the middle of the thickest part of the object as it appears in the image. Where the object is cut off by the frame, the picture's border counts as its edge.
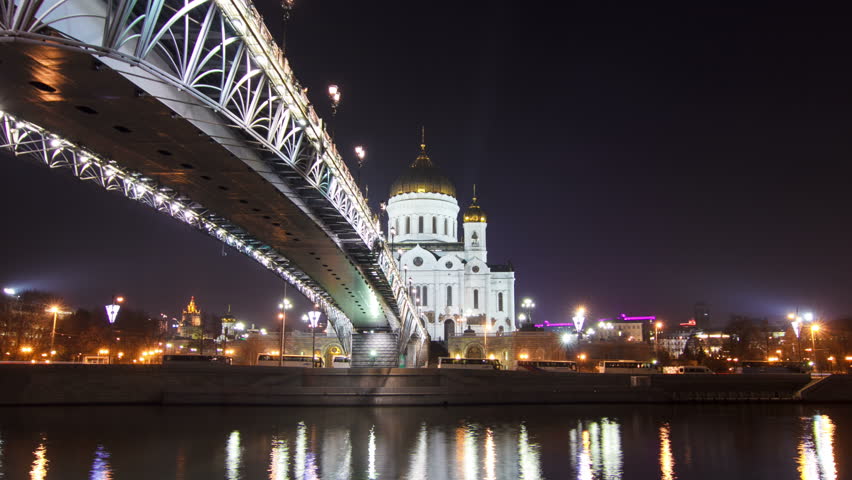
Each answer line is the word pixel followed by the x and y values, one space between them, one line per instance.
pixel 242 385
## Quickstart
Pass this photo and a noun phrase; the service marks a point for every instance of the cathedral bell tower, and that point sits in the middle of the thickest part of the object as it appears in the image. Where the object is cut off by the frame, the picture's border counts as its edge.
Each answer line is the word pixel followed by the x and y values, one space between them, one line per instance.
pixel 475 223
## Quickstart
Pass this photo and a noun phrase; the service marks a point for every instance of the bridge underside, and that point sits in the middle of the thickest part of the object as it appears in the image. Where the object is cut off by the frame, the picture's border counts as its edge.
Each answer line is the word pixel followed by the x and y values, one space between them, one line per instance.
pixel 173 141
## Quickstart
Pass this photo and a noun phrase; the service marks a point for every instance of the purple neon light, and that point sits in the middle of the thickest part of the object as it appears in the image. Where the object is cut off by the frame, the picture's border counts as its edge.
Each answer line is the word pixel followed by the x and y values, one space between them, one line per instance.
pixel 621 317
pixel 650 317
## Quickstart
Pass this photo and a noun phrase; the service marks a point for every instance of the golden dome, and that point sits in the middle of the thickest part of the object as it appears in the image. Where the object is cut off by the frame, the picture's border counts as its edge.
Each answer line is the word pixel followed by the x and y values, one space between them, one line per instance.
pixel 423 177
pixel 474 213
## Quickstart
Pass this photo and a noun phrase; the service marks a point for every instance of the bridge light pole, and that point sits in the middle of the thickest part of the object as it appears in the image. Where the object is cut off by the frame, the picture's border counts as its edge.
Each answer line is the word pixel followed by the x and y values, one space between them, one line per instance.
pixel 334 95
pixel 361 154
pixel 282 315
pixel 314 317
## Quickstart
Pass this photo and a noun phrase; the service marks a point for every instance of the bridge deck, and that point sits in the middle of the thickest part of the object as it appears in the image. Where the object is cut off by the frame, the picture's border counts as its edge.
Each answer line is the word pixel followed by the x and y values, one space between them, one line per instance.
pixel 101 109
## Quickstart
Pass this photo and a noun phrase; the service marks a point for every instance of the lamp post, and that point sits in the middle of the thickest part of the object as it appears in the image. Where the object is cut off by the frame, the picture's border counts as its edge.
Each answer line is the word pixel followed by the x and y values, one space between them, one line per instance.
pixel 527 304
pixel 314 317
pixel 361 153
pixel 55 311
pixel 796 323
pixel 814 329
pixel 579 319
pixel 113 308
pixel 282 315
pixel 657 327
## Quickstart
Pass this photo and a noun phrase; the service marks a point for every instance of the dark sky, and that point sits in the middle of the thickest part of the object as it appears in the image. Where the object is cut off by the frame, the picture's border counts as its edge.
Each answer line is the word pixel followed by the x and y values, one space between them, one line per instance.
pixel 630 159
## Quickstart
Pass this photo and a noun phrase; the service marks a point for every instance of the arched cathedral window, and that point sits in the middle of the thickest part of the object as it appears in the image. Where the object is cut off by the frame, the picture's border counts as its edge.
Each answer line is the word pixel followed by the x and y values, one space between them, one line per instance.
pixel 434 225
pixel 445 227
pixel 500 301
pixel 420 224
pixel 475 298
pixel 407 225
pixel 449 295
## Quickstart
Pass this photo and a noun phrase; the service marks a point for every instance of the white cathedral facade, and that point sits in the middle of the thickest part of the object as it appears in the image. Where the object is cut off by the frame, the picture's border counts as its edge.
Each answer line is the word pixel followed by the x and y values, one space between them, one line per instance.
pixel 451 280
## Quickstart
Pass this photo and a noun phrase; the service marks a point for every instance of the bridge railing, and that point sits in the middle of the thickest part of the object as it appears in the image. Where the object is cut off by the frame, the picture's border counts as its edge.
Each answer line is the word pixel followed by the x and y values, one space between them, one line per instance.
pixel 139 33
pixel 259 38
pixel 249 23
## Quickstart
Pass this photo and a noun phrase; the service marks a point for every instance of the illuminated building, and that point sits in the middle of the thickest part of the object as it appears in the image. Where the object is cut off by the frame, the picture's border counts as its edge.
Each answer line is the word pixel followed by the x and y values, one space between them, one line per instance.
pixel 190 321
pixel 451 280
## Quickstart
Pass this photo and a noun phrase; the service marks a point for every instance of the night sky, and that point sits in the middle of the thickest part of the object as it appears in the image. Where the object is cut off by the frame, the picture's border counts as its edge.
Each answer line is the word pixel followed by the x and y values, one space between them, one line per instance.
pixel 629 159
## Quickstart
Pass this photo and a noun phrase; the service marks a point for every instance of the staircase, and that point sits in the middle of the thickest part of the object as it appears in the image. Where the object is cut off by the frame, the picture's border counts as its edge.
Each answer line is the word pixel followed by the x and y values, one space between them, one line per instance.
pixel 437 349
pixel 375 350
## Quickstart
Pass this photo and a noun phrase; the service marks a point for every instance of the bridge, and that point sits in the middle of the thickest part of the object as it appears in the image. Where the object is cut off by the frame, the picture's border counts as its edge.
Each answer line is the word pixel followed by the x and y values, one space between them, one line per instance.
pixel 191 108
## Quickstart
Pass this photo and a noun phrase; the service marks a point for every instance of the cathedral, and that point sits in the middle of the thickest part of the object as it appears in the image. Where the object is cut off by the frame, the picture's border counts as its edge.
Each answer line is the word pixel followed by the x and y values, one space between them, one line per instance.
pixel 452 281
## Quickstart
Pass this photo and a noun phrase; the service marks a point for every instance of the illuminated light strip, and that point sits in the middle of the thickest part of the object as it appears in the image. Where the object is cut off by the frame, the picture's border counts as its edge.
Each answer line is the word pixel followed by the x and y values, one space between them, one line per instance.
pixel 25 138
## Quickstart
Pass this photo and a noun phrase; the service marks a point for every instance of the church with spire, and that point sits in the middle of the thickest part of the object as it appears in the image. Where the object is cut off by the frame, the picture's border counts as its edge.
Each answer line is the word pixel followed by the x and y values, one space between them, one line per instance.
pixel 447 269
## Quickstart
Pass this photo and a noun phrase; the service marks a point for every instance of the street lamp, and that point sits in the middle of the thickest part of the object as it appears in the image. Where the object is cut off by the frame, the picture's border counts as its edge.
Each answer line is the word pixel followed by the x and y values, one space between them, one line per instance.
pixel 527 304
pixel 579 319
pixel 796 323
pixel 55 311
pixel 282 315
pixel 657 327
pixel 334 95
pixel 814 329
pixel 113 308
pixel 314 317
pixel 361 154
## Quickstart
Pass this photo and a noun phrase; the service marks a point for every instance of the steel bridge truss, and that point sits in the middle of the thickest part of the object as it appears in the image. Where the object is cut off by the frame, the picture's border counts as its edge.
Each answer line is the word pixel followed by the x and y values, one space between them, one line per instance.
pixel 26 139
pixel 220 53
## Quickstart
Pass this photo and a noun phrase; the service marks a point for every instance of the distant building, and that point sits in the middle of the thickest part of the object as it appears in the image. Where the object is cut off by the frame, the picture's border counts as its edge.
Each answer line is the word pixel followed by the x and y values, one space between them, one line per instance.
pixel 701 314
pixel 190 321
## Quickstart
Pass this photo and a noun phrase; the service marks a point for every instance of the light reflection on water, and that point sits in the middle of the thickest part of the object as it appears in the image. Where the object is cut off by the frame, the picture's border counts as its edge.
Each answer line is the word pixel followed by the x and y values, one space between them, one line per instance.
pixel 526 443
pixel 39 469
pixel 667 464
pixel 100 465
pixel 816 450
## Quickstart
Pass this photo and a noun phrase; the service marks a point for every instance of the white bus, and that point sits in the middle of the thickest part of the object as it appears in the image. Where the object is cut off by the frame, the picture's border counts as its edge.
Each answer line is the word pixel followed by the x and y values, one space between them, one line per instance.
pixel 547 366
pixel 95 360
pixel 687 370
pixel 626 366
pixel 469 363
pixel 269 360
pixel 341 361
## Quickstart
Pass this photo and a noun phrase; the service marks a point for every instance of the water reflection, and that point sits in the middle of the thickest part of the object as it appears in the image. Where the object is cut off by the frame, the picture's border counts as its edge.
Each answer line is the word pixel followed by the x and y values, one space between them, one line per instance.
pixel 596 450
pixel 428 444
pixel 417 459
pixel 490 455
pixel 233 456
pixel 337 466
pixel 39 467
pixel 371 472
pixel 816 449
pixel 100 465
pixel 279 460
pixel 666 457
pixel 528 456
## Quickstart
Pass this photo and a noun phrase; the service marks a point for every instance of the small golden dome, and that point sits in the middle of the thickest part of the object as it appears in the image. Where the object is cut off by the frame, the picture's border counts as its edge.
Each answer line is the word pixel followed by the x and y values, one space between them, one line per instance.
pixel 423 177
pixel 474 213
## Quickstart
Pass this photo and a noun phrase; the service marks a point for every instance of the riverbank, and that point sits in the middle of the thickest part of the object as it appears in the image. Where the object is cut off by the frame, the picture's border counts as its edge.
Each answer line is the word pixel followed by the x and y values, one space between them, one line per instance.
pixel 243 385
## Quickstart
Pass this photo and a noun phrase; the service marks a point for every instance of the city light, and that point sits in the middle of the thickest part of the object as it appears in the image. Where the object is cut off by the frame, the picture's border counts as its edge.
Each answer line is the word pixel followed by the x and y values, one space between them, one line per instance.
pixel 579 319
pixel 10 291
pixel 26 349
pixel 581 356
pixel 103 351
pixel 809 317
pixel 360 152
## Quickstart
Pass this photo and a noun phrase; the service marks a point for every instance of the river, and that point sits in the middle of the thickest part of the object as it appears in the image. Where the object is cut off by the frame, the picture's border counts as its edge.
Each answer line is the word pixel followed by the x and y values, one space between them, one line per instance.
pixel 718 442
